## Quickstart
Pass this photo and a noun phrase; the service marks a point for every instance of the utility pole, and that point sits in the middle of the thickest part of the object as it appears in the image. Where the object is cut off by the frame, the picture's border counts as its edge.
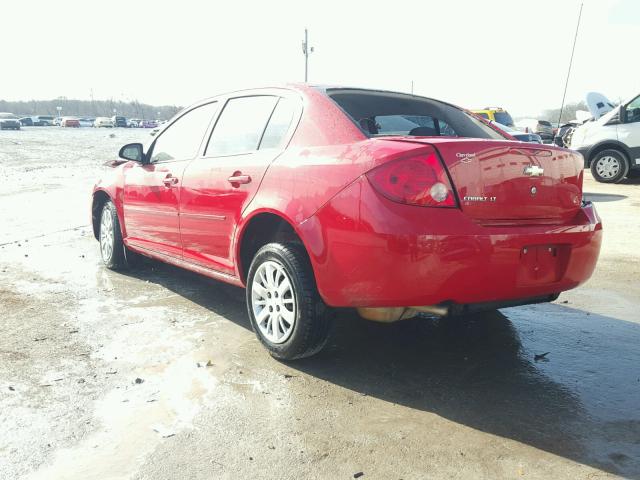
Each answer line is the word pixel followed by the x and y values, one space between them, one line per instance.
pixel 306 50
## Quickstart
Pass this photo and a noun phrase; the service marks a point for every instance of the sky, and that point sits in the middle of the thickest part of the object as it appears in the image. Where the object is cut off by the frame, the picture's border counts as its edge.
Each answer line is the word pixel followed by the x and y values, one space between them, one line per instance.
pixel 476 53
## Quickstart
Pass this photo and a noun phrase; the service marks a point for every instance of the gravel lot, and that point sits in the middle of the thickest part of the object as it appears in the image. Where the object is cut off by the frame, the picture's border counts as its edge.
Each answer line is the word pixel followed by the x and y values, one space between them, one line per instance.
pixel 155 374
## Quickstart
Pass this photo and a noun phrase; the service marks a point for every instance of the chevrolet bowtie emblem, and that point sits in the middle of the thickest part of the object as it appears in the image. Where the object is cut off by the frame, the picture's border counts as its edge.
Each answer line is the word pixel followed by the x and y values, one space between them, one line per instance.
pixel 533 171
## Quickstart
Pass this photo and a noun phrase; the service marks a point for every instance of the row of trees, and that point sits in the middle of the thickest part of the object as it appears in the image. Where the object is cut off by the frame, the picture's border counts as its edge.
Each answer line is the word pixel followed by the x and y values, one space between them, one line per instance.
pixel 568 112
pixel 89 108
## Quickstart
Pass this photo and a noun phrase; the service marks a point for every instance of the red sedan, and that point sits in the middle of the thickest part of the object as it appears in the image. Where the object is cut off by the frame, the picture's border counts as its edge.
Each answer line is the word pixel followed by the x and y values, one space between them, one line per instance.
pixel 315 198
pixel 70 122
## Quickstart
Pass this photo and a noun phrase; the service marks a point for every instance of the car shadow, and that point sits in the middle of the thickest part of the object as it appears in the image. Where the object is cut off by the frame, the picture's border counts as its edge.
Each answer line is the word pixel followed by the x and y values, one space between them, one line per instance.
pixel 603 197
pixel 581 402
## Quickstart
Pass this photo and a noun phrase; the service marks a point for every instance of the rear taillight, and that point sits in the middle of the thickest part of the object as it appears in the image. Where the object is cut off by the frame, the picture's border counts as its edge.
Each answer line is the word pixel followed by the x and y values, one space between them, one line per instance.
pixel 419 180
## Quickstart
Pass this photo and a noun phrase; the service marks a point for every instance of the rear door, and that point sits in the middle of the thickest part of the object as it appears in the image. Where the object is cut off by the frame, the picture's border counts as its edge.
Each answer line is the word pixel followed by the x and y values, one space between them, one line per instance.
pixel 249 133
pixel 152 190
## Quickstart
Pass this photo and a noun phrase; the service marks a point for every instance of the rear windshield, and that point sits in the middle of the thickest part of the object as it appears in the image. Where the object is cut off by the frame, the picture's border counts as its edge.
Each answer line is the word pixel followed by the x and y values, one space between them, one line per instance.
pixel 544 122
pixel 503 118
pixel 385 113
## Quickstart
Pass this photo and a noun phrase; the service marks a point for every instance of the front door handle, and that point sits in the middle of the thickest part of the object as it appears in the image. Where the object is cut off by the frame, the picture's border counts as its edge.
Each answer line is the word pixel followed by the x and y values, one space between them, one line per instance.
pixel 170 181
pixel 238 178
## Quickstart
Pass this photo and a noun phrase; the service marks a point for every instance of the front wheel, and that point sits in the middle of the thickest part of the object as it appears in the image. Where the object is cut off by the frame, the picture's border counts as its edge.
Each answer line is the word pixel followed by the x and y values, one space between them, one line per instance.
pixel 609 166
pixel 285 309
pixel 111 246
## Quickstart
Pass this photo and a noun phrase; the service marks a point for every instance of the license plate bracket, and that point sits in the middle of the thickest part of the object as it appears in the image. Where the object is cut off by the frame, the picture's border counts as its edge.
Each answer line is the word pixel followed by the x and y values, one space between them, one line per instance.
pixel 542 264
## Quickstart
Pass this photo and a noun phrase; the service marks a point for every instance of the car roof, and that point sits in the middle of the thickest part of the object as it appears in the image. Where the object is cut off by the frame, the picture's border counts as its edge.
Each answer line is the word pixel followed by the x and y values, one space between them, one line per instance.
pixel 324 88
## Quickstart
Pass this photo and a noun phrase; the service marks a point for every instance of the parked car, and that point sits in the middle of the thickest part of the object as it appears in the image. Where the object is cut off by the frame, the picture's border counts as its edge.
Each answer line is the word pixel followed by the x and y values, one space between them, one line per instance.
pixel 562 137
pixel 495 114
pixel 610 144
pixel 8 121
pixel 26 122
pixel 57 121
pixel 42 120
pixel 519 135
pixel 87 121
pixel 70 122
pixel 148 124
pixel 303 196
pixel 103 122
pixel 133 122
pixel 539 127
pixel 119 121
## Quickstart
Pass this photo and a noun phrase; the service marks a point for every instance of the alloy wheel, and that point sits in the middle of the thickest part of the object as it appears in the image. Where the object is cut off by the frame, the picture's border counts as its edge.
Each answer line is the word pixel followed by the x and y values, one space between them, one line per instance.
pixel 608 166
pixel 106 234
pixel 273 302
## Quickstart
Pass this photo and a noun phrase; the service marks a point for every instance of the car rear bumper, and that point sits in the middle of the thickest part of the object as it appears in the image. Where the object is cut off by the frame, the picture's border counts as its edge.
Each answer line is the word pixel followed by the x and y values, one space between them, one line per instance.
pixel 584 151
pixel 367 251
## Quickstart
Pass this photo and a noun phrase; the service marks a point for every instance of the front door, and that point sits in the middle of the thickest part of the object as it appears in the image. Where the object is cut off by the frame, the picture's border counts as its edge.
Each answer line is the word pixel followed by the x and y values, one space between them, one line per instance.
pixel 629 131
pixel 152 190
pixel 216 189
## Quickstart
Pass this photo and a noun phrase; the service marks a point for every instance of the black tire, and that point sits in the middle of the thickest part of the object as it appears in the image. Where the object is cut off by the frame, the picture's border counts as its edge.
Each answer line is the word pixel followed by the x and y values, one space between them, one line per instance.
pixel 112 248
pixel 616 160
pixel 313 319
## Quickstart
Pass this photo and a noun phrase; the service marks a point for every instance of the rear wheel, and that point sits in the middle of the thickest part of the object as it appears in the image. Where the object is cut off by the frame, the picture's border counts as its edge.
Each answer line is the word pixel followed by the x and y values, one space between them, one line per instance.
pixel 609 166
pixel 111 246
pixel 284 306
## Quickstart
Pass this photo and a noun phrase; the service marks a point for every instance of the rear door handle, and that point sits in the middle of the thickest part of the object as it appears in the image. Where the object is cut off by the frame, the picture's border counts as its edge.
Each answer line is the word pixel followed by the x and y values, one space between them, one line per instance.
pixel 238 178
pixel 170 180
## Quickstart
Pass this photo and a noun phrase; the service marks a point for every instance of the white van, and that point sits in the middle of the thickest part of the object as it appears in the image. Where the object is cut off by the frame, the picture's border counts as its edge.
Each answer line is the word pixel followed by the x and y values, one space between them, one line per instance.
pixel 610 144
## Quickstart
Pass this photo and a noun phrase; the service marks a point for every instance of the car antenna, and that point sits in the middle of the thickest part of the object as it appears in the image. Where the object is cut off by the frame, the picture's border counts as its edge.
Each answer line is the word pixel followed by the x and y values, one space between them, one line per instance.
pixel 566 83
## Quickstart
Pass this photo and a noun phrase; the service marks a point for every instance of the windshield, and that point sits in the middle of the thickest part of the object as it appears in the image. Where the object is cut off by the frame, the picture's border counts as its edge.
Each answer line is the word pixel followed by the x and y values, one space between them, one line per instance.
pixel 503 118
pixel 505 128
pixel 387 113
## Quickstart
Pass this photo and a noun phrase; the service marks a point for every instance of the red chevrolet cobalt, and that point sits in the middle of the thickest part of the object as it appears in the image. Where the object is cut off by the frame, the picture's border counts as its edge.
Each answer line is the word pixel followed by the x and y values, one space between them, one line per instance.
pixel 315 198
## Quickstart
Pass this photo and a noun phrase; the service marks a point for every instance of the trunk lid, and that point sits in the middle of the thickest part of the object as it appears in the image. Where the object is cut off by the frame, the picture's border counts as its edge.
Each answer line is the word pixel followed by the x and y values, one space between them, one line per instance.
pixel 509 183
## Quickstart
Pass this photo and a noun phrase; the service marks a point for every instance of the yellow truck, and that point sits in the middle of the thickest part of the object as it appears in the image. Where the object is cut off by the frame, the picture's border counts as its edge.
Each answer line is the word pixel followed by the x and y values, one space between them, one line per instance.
pixel 495 114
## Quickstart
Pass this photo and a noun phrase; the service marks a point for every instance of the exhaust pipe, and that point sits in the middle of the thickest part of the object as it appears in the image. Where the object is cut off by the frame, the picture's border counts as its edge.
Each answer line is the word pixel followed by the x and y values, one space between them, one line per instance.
pixel 394 314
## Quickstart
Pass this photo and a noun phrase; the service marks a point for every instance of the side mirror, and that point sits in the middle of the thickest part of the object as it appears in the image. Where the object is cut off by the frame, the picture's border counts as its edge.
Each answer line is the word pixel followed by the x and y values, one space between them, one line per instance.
pixel 133 152
pixel 622 114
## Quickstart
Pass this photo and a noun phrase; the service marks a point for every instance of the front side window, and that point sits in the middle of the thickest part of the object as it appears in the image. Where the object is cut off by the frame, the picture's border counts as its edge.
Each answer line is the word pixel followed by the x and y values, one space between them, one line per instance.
pixel 633 110
pixel 241 125
pixel 181 140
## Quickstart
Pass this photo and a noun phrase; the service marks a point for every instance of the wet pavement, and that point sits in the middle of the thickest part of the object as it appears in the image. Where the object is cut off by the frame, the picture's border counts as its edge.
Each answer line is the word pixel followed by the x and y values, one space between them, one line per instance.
pixel 155 374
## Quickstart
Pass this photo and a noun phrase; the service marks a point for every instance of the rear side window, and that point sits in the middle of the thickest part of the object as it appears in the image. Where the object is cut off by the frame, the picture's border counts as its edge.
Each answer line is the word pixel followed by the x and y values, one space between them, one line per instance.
pixel 241 125
pixel 386 113
pixel 278 126
pixel 182 139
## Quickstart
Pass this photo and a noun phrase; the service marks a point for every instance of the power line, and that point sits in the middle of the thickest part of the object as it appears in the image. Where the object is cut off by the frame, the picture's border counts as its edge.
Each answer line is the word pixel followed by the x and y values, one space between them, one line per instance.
pixel 566 83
